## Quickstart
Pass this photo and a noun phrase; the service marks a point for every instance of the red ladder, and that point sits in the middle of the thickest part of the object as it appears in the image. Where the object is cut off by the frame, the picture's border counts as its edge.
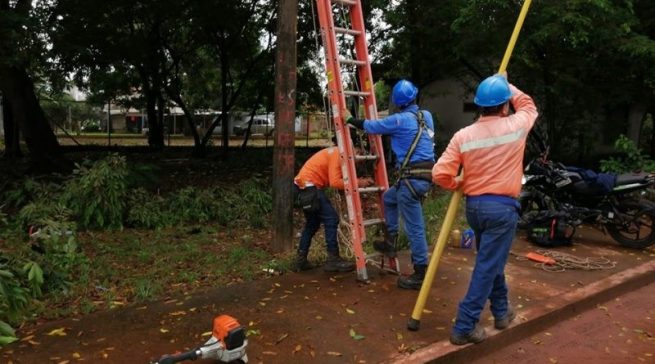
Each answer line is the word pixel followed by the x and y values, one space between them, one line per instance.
pixel 334 62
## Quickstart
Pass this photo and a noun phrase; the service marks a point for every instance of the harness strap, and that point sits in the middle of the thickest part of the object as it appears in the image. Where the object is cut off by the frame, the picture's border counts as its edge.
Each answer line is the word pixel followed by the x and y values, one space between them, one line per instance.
pixel 412 148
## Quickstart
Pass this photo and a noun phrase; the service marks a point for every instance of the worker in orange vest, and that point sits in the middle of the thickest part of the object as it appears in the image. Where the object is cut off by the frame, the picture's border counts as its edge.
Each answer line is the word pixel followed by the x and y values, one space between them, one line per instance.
pixel 322 170
pixel 491 154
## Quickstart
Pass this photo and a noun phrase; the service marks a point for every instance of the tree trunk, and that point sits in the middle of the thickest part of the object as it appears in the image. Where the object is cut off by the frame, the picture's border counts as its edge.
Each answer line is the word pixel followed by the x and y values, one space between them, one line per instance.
pixel 285 108
pixel 224 107
pixel 636 114
pixel 155 130
pixel 12 141
pixel 28 115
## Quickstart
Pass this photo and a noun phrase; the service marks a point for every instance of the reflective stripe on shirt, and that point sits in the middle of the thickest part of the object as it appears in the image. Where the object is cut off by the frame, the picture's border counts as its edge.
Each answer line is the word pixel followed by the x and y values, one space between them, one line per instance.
pixel 493 141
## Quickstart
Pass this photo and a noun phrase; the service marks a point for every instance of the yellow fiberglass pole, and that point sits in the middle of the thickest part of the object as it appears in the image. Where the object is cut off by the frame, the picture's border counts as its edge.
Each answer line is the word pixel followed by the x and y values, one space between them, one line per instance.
pixel 415 321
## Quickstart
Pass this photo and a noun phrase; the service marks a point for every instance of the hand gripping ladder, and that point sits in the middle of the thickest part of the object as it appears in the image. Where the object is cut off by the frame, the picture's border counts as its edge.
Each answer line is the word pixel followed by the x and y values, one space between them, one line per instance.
pixel 337 95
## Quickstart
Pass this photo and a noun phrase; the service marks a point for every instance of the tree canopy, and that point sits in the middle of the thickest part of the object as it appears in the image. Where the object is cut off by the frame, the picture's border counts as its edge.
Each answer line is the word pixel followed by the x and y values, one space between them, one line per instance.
pixel 588 63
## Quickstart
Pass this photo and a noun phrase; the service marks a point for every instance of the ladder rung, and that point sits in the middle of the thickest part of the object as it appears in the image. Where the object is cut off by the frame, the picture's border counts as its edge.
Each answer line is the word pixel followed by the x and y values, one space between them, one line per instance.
pixel 372 222
pixel 345 2
pixel 368 157
pixel 352 62
pixel 370 189
pixel 352 32
pixel 356 93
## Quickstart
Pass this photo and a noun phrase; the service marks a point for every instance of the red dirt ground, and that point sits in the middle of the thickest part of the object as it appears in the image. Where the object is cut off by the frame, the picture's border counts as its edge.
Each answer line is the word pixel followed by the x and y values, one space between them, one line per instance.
pixel 310 317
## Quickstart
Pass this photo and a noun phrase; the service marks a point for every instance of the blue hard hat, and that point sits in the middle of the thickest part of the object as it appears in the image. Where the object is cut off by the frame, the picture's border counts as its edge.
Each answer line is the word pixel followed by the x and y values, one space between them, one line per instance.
pixel 493 91
pixel 403 93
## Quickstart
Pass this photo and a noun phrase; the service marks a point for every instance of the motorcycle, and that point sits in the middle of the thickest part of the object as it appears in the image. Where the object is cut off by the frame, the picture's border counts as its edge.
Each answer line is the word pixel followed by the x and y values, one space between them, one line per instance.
pixel 557 197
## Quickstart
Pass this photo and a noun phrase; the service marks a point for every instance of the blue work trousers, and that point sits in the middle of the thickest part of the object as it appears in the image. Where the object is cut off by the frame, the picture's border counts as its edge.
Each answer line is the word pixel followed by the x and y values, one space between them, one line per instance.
pixel 400 199
pixel 330 219
pixel 494 224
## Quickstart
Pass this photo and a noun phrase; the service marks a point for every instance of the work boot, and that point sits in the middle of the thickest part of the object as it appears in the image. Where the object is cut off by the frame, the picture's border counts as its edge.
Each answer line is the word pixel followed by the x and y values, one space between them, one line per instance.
pixel 415 281
pixel 504 322
pixel 387 246
pixel 476 336
pixel 301 263
pixel 336 264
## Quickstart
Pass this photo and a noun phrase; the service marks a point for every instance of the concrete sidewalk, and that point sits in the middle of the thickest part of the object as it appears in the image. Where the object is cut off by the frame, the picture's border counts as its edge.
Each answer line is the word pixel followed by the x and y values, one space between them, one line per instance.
pixel 322 318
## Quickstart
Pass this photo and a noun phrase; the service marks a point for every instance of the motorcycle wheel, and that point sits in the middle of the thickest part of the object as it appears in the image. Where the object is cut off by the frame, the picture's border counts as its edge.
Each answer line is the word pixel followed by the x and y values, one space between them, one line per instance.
pixel 638 230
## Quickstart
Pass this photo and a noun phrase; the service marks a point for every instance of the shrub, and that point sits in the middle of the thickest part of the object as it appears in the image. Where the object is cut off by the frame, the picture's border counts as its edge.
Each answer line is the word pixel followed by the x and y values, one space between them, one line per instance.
pixel 96 195
pixel 631 159
pixel 191 204
pixel 147 210
pixel 257 202
pixel 60 256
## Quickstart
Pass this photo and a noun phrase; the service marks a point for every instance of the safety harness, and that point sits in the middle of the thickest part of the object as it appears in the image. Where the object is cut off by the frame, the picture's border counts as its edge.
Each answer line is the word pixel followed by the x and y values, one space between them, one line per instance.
pixel 420 170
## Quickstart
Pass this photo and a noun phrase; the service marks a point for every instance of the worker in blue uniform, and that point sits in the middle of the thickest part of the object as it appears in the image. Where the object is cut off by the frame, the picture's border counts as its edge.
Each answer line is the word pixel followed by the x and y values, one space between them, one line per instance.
pixel 412 141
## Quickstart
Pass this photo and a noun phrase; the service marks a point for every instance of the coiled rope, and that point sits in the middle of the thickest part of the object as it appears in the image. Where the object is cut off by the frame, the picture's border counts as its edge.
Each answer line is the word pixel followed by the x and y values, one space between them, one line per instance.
pixel 565 261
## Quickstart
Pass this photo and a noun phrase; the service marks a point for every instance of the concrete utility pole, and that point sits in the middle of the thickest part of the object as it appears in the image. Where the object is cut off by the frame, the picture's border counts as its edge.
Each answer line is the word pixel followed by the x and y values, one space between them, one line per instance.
pixel 285 113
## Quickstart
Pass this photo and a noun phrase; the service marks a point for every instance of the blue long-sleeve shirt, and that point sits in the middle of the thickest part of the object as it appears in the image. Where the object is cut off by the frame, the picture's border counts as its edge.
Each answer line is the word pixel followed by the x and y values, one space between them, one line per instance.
pixel 402 127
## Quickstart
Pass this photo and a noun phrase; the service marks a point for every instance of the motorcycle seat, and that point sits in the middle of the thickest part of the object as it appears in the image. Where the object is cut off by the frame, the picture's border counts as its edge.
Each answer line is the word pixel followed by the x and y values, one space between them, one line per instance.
pixel 629 178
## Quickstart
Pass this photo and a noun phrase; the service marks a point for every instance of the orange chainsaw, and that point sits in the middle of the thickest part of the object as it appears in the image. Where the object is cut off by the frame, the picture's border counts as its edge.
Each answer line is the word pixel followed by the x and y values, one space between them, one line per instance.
pixel 227 344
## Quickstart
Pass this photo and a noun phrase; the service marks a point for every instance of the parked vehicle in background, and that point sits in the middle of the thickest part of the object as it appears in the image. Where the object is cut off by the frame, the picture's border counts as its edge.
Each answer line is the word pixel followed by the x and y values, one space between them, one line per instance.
pixel 261 124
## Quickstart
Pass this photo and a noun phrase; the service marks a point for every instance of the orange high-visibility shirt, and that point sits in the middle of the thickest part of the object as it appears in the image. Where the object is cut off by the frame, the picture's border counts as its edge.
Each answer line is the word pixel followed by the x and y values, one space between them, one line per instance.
pixel 491 152
pixel 322 170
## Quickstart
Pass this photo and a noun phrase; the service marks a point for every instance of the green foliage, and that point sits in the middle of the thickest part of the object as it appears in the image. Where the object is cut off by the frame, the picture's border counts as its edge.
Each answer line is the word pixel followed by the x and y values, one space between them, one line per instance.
pixel 250 201
pixel 7 334
pixel 90 126
pixel 382 93
pixel 14 296
pixel 191 204
pixel 96 195
pixel 632 159
pixel 37 212
pixel 61 257
pixel 257 202
pixel 20 193
pixel 147 210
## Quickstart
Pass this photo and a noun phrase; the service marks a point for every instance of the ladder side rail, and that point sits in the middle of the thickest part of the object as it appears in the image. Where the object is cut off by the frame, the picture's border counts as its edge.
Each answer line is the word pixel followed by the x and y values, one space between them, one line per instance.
pixel 338 104
pixel 366 80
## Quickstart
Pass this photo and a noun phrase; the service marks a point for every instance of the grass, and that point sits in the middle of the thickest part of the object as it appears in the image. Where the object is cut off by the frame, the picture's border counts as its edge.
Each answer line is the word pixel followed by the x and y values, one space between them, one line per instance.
pixel 134 266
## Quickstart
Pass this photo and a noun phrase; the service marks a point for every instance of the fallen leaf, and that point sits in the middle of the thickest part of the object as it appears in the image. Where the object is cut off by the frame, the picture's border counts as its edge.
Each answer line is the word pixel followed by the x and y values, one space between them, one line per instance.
pixel 163 330
pixel 57 332
pixel 297 348
pixel 269 353
pixel 355 335
pixel 399 336
pixel 206 333
pixel 552 360
pixel 27 338
pixel 334 353
pixel 350 311
pixel 64 362
pixel 178 313
pixel 282 337
pixel 425 310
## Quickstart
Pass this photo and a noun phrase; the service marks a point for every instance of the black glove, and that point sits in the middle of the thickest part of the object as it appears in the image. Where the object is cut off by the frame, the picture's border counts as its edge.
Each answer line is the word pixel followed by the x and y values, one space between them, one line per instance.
pixel 357 123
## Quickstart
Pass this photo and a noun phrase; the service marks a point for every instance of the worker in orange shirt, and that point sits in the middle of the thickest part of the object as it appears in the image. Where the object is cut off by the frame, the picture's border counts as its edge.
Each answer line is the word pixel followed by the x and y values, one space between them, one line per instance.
pixel 491 154
pixel 321 171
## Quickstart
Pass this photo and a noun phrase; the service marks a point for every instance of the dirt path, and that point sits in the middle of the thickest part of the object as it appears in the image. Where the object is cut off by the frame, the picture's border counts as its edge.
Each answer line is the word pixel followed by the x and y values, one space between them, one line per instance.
pixel 309 317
